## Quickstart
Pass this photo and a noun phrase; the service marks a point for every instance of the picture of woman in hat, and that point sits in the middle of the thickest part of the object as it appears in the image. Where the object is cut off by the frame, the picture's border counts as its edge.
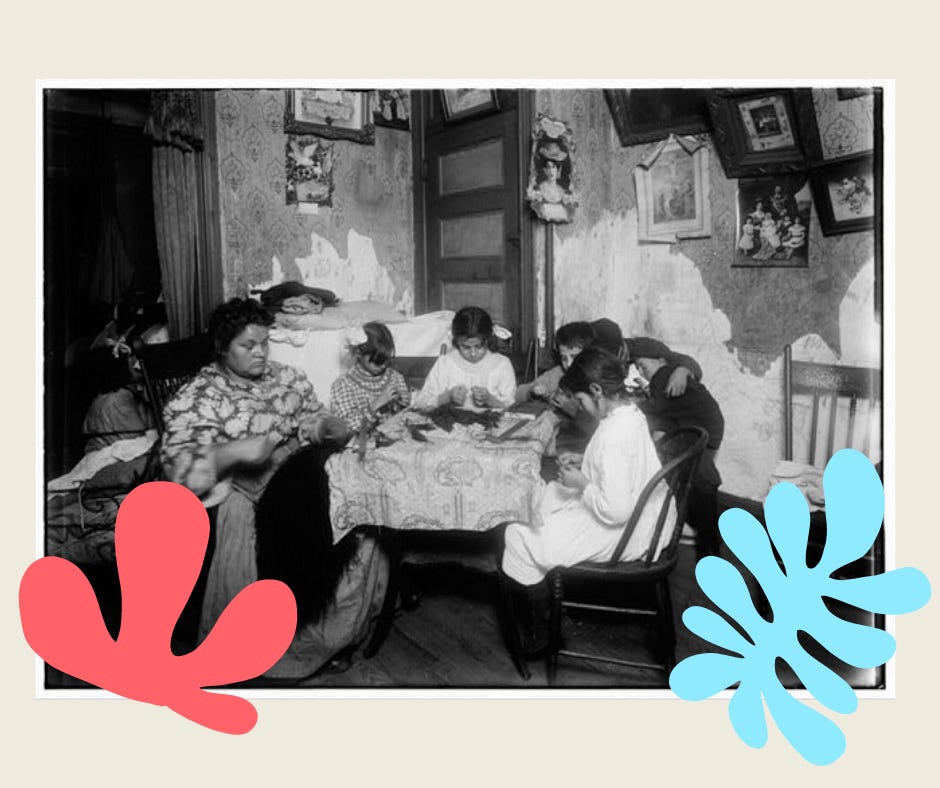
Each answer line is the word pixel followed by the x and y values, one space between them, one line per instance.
pixel 549 190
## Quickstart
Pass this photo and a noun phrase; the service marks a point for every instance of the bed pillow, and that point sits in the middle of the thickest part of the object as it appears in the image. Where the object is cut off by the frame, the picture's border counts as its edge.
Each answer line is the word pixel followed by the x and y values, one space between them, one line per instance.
pixel 343 315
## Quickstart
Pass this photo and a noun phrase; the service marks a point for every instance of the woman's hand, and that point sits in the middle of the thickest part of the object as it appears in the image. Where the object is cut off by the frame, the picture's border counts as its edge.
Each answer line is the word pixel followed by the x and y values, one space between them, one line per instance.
pixel 255 450
pixel 678 380
pixel 572 477
pixel 570 459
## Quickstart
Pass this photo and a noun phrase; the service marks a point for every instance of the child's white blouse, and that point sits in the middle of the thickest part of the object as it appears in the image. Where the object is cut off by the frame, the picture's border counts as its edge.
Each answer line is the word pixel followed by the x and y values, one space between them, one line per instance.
pixel 494 372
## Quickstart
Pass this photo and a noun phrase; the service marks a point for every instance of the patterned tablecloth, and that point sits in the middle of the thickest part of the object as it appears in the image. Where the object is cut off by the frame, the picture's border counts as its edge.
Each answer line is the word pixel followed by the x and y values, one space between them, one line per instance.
pixel 460 480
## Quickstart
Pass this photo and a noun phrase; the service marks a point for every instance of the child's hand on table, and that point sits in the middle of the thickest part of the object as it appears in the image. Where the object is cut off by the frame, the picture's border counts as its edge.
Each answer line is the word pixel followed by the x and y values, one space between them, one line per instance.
pixel 457 395
pixel 482 398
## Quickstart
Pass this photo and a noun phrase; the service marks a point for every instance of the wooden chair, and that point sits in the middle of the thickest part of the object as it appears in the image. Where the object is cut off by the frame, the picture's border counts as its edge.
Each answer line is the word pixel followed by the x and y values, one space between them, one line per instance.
pixel 843 402
pixel 167 366
pixel 681 450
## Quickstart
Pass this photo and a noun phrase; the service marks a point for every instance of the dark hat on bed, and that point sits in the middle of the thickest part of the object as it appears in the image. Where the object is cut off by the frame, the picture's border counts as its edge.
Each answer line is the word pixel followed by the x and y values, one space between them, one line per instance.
pixel 273 297
pixel 644 347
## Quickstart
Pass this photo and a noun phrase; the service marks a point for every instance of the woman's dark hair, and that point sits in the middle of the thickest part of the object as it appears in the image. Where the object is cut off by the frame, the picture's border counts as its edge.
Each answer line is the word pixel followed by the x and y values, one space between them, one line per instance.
pixel 578 334
pixel 595 365
pixel 379 347
pixel 232 317
pixel 471 321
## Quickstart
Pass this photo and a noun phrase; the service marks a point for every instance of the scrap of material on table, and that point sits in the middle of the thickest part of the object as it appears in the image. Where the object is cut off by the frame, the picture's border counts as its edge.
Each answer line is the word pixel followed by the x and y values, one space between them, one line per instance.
pixel 421 478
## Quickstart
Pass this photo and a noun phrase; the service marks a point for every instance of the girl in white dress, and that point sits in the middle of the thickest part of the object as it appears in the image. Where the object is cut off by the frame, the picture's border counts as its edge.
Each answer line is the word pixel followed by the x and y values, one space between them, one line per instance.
pixel 582 515
pixel 470 376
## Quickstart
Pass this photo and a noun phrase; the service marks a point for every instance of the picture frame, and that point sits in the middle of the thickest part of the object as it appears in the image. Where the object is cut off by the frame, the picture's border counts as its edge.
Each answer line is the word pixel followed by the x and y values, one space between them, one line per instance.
pixel 672 190
pixel 331 114
pixel 391 108
pixel 551 188
pixel 647 115
pixel 764 132
pixel 309 170
pixel 463 103
pixel 773 216
pixel 846 194
pixel 843 94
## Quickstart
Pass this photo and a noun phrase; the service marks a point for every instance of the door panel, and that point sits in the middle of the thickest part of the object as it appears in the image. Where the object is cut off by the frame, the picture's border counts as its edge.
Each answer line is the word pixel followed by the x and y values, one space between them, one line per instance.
pixel 472 203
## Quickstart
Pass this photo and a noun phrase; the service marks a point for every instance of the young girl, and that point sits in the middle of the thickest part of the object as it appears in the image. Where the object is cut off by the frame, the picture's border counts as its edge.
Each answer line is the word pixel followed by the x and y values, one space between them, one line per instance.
pixel 371 388
pixel 469 376
pixel 583 513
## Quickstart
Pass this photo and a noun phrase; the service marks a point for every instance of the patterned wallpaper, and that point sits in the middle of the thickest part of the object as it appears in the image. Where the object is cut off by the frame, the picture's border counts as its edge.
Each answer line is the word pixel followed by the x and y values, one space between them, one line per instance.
pixel 372 200
pixel 734 321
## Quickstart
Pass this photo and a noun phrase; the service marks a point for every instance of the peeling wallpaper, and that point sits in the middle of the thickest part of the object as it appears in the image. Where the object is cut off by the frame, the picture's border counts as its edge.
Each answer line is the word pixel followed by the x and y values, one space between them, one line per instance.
pixel 734 321
pixel 369 228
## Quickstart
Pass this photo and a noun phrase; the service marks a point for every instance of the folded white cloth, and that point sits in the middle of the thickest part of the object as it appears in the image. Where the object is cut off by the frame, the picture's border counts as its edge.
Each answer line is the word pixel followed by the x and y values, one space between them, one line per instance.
pixel 94 461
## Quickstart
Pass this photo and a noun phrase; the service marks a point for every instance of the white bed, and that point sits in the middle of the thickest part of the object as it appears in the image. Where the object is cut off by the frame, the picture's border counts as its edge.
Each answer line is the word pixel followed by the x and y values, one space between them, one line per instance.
pixel 321 353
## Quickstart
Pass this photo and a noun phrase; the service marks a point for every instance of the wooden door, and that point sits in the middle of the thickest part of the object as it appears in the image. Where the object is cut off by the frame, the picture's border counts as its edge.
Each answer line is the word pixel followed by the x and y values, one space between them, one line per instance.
pixel 469 214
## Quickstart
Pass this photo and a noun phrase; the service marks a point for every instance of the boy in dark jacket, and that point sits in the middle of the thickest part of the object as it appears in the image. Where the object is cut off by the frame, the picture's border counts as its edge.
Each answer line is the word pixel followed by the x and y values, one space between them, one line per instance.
pixel 695 407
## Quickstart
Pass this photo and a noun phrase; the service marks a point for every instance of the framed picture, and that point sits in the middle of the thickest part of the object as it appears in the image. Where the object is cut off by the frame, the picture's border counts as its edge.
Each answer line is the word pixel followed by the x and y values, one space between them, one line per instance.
pixel 850 93
pixel 672 191
pixel 333 114
pixel 845 194
pixel 765 132
pixel 550 192
pixel 466 102
pixel 391 108
pixel 645 115
pixel 773 222
pixel 309 163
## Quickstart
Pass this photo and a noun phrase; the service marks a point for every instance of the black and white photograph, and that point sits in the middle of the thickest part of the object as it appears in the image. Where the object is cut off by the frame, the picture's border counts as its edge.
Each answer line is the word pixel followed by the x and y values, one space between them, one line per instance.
pixel 773 221
pixel 482 437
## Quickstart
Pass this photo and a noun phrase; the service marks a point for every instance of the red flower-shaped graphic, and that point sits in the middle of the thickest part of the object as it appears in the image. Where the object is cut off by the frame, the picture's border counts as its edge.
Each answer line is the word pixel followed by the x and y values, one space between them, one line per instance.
pixel 160 541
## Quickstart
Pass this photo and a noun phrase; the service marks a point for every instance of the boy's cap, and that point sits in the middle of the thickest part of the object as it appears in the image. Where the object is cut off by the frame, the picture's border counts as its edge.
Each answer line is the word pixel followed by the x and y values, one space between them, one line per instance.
pixel 607 335
pixel 275 296
pixel 645 347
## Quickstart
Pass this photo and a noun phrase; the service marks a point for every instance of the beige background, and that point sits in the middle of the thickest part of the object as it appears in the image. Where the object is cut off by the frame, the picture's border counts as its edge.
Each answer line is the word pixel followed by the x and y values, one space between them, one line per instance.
pixel 468 741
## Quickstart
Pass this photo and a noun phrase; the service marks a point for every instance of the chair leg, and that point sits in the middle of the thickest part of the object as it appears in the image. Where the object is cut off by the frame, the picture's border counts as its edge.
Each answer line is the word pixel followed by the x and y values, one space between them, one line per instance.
pixel 667 625
pixel 391 543
pixel 556 590
pixel 510 619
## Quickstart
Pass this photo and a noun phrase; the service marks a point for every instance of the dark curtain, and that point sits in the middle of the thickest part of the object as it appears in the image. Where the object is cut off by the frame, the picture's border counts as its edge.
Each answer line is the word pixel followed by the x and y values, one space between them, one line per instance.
pixel 190 281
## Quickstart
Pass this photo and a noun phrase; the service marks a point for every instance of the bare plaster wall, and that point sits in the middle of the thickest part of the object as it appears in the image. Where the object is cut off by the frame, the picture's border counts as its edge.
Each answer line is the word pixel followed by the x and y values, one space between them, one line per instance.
pixel 734 321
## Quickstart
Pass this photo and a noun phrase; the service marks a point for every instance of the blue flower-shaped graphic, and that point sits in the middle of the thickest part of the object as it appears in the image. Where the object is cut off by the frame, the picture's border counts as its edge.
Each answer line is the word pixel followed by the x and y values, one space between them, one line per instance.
pixel 854 512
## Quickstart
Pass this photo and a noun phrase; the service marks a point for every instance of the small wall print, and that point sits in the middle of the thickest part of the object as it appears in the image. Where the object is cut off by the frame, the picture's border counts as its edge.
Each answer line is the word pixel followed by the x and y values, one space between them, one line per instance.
pixel 773 222
pixel 309 162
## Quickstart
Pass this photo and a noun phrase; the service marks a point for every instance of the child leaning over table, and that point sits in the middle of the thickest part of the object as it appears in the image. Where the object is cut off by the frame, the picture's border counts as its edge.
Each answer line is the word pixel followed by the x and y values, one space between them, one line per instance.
pixel 696 407
pixel 371 388
pixel 470 376
pixel 570 340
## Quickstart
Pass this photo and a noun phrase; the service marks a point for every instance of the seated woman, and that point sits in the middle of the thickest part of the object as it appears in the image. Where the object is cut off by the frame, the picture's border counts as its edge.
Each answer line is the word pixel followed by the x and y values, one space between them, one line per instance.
pixel 470 376
pixel 227 431
pixel 119 409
